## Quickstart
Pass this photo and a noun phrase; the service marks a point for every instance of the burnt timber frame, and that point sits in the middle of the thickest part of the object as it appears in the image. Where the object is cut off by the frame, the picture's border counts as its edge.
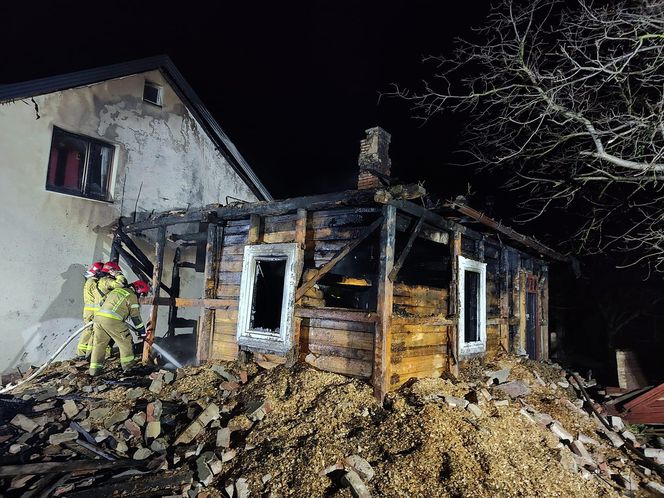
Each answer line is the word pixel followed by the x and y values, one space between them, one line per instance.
pixel 393 215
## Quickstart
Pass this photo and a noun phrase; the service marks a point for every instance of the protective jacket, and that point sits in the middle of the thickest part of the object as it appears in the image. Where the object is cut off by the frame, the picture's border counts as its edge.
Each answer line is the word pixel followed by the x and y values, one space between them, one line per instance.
pixel 108 283
pixel 91 298
pixel 120 304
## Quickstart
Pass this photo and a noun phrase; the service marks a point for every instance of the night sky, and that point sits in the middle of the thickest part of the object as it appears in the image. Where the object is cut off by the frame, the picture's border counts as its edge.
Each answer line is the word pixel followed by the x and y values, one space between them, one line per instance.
pixel 293 84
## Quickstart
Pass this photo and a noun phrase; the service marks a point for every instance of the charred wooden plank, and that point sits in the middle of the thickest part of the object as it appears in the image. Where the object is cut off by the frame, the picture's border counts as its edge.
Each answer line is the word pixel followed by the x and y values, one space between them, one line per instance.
pixel 383 347
pixel 320 272
pixel 156 281
pixel 204 337
pixel 311 203
pixel 67 466
pixel 140 486
pixel 336 314
pixel 406 250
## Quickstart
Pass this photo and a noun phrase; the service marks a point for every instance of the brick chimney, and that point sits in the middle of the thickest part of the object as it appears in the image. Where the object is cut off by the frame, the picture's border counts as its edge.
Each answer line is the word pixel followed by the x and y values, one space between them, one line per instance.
pixel 374 158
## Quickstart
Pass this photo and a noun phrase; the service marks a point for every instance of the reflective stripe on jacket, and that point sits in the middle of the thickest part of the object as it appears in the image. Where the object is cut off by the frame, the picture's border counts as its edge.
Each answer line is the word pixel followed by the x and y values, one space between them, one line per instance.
pixel 121 304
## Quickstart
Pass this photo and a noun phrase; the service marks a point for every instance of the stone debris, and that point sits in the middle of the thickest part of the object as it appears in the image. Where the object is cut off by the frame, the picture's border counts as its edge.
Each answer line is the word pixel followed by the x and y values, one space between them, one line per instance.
pixel 210 413
pixel 560 432
pixel 24 423
pixel 357 487
pixel 141 454
pixel 224 430
pixel 617 423
pixel 224 438
pixel 616 441
pixel 361 466
pixel 655 487
pixel 474 409
pixel 497 376
pixel 63 437
pixel 156 386
pixel 455 402
pixel 514 389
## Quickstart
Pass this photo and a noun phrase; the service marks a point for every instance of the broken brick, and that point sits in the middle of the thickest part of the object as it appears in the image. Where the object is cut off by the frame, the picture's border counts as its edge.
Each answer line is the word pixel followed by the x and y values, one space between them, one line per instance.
pixel 357 486
pixel 142 454
pixel 133 428
pixel 153 411
pixel 24 423
pixel 70 408
pixel 211 412
pixel 153 429
pixel 361 466
pixel 63 437
pixel 224 437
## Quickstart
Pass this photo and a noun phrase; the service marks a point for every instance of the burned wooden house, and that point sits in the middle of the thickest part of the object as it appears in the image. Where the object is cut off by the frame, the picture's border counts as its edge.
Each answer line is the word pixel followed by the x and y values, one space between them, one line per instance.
pixel 365 282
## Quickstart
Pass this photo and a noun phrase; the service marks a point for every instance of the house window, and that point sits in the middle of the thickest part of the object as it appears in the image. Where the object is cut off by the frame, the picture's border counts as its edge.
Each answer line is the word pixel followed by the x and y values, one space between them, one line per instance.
pixel 472 301
pixel 79 165
pixel 152 93
pixel 267 295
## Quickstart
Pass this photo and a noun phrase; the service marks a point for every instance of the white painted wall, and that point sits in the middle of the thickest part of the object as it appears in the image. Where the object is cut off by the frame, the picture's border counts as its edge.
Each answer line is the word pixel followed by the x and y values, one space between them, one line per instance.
pixel 47 239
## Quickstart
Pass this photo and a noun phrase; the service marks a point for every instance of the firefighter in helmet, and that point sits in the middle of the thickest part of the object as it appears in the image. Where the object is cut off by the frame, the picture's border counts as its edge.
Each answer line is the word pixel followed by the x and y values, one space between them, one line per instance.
pixel 109 323
pixel 112 279
pixel 91 300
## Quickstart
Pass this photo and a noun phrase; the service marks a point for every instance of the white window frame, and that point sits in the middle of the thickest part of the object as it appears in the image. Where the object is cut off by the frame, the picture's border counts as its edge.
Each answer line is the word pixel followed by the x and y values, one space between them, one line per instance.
pixel 160 93
pixel 468 348
pixel 260 340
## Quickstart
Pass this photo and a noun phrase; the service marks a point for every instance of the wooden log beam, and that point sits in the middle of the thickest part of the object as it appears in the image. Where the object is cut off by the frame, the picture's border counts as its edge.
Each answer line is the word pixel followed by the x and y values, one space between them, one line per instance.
pixel 139 269
pixel 206 321
pixel 320 272
pixel 406 250
pixel 67 466
pixel 145 486
pixel 383 336
pixel 169 218
pixel 454 306
pixel 505 230
pixel 135 250
pixel 339 314
pixel 156 281
pixel 175 286
pixel 434 219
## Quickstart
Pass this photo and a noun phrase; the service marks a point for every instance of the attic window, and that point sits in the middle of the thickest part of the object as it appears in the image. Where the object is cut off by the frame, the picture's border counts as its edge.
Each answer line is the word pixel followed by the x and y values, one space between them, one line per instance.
pixel 267 295
pixel 152 93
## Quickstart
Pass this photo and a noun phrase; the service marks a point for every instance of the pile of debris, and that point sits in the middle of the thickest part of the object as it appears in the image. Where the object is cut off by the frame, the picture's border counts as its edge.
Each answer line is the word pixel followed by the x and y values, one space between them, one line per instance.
pixel 511 428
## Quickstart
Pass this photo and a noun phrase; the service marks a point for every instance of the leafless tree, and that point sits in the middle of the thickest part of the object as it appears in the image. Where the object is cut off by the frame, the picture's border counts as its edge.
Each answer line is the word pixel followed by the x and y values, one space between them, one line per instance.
pixel 571 101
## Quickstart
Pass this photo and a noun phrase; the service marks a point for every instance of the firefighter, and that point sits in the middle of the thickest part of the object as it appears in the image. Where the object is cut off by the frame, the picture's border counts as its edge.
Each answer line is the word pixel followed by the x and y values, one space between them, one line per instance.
pixel 91 300
pixel 113 278
pixel 109 323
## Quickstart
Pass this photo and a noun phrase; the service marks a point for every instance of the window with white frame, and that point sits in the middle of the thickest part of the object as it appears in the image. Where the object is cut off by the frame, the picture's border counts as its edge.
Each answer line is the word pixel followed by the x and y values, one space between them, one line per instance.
pixel 472 306
pixel 267 297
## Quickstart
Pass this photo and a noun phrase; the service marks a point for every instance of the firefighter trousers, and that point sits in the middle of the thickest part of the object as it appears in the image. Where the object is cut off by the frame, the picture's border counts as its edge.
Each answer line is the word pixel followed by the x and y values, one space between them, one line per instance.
pixel 84 347
pixel 106 329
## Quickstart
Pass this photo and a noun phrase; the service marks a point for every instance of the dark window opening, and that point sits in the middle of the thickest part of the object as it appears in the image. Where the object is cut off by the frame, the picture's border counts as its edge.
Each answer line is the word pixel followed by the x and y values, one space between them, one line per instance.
pixel 79 165
pixel 351 284
pixel 268 294
pixel 471 282
pixel 152 93
pixel 427 263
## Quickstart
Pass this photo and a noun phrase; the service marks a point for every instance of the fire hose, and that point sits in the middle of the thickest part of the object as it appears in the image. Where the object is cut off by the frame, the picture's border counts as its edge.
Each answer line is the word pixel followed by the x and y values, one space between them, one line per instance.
pixel 48 362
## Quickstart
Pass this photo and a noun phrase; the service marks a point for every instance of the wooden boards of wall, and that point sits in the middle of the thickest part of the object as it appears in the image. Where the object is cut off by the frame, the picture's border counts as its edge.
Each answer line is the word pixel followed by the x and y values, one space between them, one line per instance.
pixel 419 300
pixel 339 346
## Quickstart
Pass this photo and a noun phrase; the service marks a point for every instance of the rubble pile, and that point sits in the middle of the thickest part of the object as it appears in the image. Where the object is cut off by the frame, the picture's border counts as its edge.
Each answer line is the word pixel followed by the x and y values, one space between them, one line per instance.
pixel 510 428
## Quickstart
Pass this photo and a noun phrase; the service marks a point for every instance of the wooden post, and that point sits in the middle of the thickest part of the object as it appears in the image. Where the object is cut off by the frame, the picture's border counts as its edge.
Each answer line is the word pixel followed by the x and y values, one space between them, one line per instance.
pixel 300 240
pixel 544 304
pixel 156 281
pixel 504 272
pixel 254 235
pixel 383 337
pixel 116 245
pixel 206 320
pixel 175 293
pixel 453 343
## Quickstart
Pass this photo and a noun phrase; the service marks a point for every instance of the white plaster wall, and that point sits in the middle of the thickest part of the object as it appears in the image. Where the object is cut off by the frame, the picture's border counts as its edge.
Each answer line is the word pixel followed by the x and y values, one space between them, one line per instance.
pixel 47 239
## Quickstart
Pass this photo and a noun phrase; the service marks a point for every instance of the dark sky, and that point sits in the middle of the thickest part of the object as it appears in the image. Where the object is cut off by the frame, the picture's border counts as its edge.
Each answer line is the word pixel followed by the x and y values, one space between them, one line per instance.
pixel 293 84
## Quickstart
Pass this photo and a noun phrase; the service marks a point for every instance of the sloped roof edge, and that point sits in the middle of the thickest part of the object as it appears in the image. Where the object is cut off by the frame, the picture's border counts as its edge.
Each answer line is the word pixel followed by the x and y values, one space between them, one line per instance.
pixel 26 89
